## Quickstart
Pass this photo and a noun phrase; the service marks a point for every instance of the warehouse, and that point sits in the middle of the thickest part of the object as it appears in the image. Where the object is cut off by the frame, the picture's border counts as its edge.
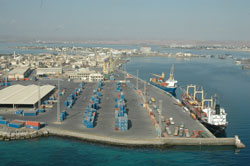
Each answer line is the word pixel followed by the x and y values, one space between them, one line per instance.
pixel 24 96
pixel 85 74
pixel 48 71
pixel 19 73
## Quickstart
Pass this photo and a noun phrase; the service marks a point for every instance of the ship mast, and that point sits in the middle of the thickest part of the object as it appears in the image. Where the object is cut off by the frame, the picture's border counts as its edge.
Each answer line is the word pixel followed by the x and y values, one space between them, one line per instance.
pixel 215 97
pixel 207 100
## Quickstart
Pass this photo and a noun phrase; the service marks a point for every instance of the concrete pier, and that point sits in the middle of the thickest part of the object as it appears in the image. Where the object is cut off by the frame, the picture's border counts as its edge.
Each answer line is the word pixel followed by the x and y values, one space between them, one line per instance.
pixel 150 142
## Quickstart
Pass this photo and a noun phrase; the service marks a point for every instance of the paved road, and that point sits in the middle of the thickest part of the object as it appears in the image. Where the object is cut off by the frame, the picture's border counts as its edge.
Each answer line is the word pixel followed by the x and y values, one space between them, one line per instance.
pixel 140 125
pixel 169 107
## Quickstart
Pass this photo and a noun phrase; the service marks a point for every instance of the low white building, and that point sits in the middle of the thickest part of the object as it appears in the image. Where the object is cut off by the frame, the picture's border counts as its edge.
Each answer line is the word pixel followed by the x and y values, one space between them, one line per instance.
pixel 85 74
pixel 48 71
pixel 145 50
pixel 19 73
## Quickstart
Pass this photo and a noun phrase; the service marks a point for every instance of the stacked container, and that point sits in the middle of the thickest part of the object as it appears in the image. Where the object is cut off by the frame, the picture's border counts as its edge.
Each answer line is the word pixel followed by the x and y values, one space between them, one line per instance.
pixel 3 122
pixel 40 110
pixel 90 112
pixel 32 125
pixel 8 84
pixel 30 113
pixel 19 112
pixel 89 117
pixel 72 98
pixel 82 84
pixel 63 115
pixel 121 116
pixel 16 124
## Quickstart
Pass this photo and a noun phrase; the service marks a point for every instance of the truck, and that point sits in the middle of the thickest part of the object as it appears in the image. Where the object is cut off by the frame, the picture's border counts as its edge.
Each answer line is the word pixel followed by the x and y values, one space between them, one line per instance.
pixel 168 130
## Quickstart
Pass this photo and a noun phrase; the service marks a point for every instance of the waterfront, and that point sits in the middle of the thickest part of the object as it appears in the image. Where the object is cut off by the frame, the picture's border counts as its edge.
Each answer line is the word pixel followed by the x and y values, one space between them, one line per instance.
pixel 216 76
pixel 63 151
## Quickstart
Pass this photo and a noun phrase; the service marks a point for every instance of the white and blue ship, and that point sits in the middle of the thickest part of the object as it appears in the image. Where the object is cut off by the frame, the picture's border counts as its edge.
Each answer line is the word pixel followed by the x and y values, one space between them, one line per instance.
pixel 169 85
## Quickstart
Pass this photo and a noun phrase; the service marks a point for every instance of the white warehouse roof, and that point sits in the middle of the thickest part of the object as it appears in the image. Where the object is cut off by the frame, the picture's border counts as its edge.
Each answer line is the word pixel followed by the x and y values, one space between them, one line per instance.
pixel 19 70
pixel 20 94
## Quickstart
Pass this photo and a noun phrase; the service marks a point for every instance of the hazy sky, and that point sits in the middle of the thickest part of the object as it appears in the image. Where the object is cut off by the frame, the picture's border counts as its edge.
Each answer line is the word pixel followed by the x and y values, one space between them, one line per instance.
pixel 125 19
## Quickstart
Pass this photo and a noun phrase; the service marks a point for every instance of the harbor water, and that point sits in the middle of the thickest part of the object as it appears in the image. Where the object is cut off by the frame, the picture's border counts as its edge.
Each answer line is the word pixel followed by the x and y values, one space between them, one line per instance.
pixel 228 81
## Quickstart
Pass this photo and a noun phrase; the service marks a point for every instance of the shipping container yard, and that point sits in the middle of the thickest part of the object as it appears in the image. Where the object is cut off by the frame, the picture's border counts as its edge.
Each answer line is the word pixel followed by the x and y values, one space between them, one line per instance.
pixel 123 110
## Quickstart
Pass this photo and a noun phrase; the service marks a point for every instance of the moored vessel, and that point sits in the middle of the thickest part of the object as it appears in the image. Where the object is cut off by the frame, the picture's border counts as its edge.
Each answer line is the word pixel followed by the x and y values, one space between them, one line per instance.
pixel 212 115
pixel 169 85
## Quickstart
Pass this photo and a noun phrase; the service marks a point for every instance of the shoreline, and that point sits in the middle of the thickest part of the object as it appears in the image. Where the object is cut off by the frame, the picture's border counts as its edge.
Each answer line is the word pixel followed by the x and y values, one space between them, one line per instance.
pixel 156 142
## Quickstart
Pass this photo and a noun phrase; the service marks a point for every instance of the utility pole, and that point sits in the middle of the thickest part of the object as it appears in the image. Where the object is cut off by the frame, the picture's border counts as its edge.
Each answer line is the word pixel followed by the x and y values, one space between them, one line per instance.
pixel 6 77
pixel 6 74
pixel 145 88
pixel 58 102
pixel 137 79
pixel 160 108
pixel 39 100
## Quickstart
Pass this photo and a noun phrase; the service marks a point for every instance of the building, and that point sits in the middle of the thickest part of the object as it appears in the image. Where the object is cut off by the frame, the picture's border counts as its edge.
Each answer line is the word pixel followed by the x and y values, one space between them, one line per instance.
pixel 85 74
pixel 19 73
pixel 24 96
pixel 48 71
pixel 145 50
pixel 96 77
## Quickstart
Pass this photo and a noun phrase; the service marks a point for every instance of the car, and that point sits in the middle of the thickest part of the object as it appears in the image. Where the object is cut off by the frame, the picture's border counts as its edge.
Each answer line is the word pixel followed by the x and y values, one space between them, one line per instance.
pixel 168 130
pixel 171 120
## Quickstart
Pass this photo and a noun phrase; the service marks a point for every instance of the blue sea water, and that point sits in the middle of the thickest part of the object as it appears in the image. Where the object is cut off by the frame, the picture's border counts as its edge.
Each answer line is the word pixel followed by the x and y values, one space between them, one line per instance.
pixel 228 81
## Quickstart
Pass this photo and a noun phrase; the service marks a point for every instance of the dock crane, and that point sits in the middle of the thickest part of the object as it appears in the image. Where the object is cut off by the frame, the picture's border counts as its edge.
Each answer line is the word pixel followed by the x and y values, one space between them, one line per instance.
pixel 171 74
pixel 160 76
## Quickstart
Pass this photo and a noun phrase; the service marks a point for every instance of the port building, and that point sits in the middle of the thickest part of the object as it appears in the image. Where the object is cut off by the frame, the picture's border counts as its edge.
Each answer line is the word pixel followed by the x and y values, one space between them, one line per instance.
pixel 19 73
pixel 85 74
pixel 24 96
pixel 48 71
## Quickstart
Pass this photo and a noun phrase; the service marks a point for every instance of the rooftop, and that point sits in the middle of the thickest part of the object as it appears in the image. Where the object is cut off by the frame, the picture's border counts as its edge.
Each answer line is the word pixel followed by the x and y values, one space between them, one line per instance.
pixel 20 94
pixel 19 70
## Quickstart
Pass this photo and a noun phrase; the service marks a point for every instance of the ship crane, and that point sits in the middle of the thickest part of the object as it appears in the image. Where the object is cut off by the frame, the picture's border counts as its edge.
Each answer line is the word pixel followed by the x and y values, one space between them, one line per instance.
pixel 160 76
pixel 171 74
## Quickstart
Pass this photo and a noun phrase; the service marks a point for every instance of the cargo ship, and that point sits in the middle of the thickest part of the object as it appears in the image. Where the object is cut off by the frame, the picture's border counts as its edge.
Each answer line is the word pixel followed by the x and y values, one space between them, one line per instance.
pixel 169 85
pixel 212 116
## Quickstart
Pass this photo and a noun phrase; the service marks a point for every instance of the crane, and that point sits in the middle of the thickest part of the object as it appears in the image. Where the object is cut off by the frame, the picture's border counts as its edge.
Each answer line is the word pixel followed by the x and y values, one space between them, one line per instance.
pixel 160 76
pixel 171 75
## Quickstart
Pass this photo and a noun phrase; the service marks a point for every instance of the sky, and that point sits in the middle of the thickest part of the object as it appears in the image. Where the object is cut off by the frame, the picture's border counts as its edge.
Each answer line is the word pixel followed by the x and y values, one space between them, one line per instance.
pixel 125 19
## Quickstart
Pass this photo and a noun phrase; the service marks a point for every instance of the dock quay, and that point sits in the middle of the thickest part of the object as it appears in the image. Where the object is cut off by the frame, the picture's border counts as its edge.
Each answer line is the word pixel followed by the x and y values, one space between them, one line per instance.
pixel 146 126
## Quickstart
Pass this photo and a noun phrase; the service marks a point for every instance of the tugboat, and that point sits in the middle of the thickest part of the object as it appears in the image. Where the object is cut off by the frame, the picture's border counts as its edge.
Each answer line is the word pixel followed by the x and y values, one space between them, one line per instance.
pixel 169 85
pixel 212 116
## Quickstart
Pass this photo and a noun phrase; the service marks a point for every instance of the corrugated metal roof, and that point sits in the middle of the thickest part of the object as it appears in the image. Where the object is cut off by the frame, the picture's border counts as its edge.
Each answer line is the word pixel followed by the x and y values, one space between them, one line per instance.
pixel 19 70
pixel 20 94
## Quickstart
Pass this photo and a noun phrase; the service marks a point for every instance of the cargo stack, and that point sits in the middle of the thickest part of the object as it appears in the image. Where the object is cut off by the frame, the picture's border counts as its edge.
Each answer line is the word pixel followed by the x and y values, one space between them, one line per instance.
pixel 30 113
pixel 121 116
pixel 90 112
pixel 82 85
pixel 4 84
pixel 40 111
pixel 72 98
pixel 2 121
pixel 63 115
pixel 19 112
pixel 16 124
pixel 89 117
pixel 32 125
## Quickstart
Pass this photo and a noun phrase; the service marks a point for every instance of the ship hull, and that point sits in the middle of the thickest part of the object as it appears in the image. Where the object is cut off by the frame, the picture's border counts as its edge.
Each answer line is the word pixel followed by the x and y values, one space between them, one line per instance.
pixel 170 90
pixel 215 129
